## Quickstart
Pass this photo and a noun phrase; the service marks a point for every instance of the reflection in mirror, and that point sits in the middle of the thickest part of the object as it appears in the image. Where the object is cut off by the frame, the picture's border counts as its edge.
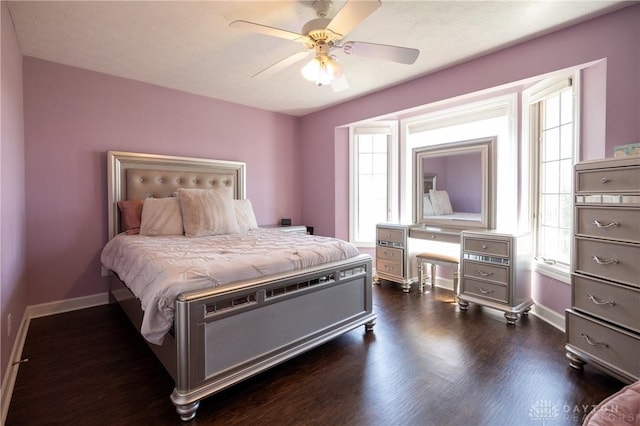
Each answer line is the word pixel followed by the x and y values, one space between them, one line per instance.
pixel 455 184
pixel 429 180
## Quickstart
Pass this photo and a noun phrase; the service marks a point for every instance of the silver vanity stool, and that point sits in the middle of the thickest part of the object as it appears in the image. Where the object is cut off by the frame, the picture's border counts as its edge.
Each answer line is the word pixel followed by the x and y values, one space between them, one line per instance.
pixel 437 259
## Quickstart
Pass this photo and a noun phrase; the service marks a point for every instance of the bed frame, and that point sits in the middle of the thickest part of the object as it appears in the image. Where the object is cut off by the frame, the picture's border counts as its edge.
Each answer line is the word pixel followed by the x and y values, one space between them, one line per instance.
pixel 224 335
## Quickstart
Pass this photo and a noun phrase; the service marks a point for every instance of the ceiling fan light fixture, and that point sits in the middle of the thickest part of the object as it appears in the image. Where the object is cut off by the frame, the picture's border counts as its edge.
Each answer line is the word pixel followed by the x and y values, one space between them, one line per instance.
pixel 322 69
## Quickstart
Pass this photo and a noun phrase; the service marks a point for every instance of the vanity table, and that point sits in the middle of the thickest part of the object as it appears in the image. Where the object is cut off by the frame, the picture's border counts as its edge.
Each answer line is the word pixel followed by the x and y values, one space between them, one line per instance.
pixel 494 266
pixel 454 214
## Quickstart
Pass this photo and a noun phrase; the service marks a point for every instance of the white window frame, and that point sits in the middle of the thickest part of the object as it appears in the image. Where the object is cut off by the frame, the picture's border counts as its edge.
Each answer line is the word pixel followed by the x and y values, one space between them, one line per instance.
pixel 530 130
pixel 390 128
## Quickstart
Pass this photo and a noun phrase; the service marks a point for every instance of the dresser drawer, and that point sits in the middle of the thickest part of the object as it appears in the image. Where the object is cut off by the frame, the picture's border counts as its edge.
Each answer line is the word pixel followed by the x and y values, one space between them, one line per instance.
pixel 489 247
pixel 486 290
pixel 390 235
pixel 622 179
pixel 614 223
pixel 613 261
pixel 611 302
pixel 484 271
pixel 611 345
pixel 445 236
pixel 390 268
pixel 389 254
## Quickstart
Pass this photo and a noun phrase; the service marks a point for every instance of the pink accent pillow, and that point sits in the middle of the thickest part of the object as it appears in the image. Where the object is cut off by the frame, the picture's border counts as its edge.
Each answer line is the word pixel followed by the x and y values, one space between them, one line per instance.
pixel 131 215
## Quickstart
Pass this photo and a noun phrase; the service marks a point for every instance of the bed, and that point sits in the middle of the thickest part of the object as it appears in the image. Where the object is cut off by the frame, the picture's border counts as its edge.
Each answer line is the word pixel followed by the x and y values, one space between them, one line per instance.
pixel 227 313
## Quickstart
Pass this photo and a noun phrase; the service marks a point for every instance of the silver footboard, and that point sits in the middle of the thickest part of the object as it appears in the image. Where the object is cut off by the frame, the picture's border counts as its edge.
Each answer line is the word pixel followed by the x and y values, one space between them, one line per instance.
pixel 225 335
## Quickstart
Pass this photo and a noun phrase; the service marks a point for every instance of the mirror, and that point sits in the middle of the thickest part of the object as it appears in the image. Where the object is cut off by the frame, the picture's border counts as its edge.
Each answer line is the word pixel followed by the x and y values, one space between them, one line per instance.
pixel 454 184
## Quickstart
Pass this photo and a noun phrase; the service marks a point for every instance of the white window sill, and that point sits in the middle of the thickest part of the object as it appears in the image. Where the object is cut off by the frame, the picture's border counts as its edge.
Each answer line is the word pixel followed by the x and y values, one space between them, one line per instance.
pixel 557 272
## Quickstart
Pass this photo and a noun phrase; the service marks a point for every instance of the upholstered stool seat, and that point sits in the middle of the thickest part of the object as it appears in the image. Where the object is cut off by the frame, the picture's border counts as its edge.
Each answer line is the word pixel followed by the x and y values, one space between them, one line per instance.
pixel 437 259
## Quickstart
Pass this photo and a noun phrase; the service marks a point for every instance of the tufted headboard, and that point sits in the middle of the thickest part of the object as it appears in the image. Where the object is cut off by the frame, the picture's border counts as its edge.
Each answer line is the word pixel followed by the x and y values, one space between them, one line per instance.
pixel 135 176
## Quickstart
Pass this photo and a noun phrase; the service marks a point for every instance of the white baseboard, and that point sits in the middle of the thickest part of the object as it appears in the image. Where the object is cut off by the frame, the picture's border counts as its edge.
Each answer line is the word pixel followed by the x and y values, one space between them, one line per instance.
pixel 442 283
pixel 61 306
pixel 11 373
pixel 549 316
pixel 37 311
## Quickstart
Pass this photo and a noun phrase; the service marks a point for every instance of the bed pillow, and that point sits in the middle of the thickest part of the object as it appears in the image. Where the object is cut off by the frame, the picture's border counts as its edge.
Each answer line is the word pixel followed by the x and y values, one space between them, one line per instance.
pixel 131 215
pixel 161 216
pixel 427 206
pixel 208 211
pixel 441 202
pixel 244 215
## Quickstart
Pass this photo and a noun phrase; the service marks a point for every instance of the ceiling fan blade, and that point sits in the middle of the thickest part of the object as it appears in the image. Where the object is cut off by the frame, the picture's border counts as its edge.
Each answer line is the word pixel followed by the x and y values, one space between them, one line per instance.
pixel 339 84
pixel 351 14
pixel 403 55
pixel 270 31
pixel 279 66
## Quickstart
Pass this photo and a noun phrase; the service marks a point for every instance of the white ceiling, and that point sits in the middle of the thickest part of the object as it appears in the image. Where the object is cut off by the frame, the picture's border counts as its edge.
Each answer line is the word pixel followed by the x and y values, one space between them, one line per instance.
pixel 189 46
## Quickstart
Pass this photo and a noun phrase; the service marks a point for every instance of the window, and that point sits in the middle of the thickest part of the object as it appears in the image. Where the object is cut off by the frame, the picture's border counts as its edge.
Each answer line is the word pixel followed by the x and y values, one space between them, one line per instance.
pixel 553 124
pixel 373 198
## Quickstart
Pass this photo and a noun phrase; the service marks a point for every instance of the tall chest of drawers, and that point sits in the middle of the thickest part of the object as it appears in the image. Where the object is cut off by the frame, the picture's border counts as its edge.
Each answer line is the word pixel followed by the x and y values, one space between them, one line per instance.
pixel 603 324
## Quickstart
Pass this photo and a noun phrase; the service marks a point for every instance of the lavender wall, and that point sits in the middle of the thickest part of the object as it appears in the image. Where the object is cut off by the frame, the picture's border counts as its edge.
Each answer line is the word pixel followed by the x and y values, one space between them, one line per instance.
pixel 73 116
pixel 13 292
pixel 609 119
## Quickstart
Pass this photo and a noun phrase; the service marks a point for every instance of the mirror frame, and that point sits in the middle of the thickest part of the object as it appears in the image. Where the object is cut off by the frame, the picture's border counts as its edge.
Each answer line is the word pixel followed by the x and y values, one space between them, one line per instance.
pixel 487 149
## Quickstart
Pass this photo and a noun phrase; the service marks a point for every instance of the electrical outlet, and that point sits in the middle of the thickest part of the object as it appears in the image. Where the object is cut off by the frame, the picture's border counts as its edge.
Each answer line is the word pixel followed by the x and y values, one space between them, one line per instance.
pixel 8 325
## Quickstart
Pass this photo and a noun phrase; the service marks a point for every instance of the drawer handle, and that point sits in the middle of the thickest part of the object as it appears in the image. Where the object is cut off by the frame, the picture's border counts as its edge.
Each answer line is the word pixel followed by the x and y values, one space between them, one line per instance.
pixel 608 225
pixel 592 343
pixel 386 253
pixel 484 246
pixel 600 301
pixel 604 180
pixel 483 290
pixel 484 274
pixel 604 261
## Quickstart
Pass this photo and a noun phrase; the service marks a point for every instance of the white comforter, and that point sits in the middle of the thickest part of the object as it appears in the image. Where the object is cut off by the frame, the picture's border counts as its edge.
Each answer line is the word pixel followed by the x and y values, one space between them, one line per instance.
pixel 158 269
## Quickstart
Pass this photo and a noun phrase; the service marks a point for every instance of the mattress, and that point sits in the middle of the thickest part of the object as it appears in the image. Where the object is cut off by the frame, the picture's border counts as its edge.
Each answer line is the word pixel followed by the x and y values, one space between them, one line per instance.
pixel 159 268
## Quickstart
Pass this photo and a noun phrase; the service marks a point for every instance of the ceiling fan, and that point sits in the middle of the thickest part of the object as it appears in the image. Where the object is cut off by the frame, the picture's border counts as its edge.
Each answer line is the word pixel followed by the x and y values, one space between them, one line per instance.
pixel 321 36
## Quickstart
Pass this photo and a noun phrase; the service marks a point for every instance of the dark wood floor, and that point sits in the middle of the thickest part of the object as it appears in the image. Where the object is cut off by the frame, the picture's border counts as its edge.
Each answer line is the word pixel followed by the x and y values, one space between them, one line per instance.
pixel 426 363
